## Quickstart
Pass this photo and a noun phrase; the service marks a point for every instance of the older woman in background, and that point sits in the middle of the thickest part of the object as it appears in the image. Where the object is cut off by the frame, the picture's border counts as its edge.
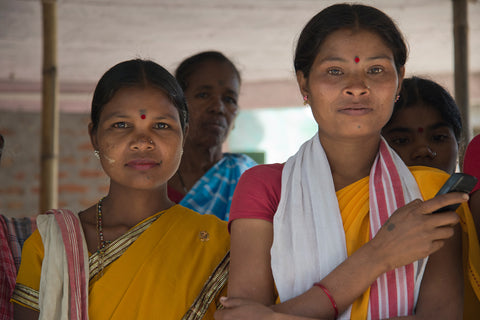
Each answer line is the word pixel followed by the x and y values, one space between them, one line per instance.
pixel 207 176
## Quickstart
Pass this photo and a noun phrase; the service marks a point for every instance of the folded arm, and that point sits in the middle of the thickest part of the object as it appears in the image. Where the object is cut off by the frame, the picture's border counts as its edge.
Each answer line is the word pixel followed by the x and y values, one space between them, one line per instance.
pixel 410 234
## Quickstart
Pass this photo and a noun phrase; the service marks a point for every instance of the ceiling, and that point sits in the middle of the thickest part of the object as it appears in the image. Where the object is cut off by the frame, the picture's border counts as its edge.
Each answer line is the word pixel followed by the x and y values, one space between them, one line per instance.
pixel 259 35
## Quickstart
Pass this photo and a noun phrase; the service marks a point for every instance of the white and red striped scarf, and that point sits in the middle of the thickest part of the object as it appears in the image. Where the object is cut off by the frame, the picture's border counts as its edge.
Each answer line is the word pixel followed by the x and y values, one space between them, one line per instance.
pixel 395 293
pixel 309 239
pixel 63 290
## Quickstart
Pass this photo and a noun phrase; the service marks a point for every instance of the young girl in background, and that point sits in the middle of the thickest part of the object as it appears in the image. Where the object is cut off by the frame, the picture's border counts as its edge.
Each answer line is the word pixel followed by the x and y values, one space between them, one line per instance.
pixel 426 127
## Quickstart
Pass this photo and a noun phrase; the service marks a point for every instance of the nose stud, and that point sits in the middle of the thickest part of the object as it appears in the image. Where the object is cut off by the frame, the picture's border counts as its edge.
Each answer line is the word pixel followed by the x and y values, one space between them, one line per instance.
pixel 433 154
pixel 147 140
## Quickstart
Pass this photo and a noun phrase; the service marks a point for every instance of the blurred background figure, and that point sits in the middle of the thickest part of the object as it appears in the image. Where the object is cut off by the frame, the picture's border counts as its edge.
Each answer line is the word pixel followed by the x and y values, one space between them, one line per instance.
pixel 425 127
pixel 7 267
pixel 13 233
pixel 207 176
pixel 1 145
pixel 471 165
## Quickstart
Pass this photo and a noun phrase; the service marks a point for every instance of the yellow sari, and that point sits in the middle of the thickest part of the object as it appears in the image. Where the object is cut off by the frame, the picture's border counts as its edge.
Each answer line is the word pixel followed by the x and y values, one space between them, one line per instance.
pixel 354 205
pixel 160 274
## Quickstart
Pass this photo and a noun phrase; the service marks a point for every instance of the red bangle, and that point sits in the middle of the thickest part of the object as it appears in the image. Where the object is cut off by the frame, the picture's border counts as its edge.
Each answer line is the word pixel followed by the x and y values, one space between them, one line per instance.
pixel 334 304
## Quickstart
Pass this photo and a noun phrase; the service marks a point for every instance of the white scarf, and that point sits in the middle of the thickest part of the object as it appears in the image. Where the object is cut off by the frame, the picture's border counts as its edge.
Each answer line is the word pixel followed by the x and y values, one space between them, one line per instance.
pixel 309 239
pixel 63 293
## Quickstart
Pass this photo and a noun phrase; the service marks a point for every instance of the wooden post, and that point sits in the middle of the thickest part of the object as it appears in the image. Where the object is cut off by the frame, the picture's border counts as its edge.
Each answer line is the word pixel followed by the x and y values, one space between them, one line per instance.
pixel 460 40
pixel 50 112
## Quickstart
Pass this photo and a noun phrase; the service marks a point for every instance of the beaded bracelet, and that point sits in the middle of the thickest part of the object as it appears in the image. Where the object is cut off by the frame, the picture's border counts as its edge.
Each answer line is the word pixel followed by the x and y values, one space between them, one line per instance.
pixel 334 304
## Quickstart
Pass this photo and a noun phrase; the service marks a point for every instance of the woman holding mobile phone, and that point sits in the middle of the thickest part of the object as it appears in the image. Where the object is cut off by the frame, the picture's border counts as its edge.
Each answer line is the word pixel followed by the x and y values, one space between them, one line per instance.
pixel 343 228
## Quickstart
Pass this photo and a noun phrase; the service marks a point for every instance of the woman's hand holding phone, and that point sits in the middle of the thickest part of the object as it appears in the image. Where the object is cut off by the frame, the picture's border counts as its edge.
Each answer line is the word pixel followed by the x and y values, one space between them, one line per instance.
pixel 413 232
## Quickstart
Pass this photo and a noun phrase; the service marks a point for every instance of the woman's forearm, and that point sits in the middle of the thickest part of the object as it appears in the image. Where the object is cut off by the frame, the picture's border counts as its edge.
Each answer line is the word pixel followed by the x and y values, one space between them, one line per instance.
pixel 345 284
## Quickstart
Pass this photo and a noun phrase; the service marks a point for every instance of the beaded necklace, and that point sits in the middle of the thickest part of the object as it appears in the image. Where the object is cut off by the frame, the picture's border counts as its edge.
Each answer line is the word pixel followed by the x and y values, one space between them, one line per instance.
pixel 101 238
pixel 182 182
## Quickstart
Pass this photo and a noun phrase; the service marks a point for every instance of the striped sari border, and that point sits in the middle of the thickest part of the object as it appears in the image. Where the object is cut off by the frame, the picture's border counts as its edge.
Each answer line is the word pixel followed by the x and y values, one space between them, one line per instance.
pixel 115 249
pixel 211 288
pixel 26 295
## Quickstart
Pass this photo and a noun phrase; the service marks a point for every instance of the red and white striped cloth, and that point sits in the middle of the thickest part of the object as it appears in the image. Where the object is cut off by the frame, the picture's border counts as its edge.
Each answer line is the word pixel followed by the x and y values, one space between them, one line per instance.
pixel 63 290
pixel 7 274
pixel 394 293
pixel 13 233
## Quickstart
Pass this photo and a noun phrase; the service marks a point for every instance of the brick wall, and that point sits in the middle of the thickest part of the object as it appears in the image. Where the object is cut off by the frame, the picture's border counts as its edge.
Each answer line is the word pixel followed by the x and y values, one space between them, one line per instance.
pixel 81 180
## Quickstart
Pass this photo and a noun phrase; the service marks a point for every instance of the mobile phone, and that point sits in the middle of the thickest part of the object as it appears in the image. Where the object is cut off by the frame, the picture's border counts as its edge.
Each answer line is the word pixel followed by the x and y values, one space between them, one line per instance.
pixel 458 182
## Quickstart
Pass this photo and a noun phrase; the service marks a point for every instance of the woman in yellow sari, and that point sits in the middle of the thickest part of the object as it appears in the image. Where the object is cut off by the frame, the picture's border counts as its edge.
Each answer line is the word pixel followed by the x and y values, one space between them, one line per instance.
pixel 343 228
pixel 134 254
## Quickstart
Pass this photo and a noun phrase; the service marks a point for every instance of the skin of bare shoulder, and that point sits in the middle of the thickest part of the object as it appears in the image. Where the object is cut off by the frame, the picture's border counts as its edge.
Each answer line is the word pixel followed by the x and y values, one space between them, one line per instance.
pixel 443 274
pixel 251 240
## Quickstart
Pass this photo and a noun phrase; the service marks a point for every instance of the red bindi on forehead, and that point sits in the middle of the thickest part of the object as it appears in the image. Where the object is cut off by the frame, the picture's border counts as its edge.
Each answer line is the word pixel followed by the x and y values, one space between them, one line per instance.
pixel 357 59
pixel 420 129
pixel 143 114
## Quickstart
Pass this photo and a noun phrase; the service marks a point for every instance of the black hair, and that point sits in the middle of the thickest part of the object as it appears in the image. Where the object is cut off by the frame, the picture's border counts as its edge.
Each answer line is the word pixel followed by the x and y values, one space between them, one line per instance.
pixel 347 16
pixel 417 91
pixel 137 73
pixel 188 66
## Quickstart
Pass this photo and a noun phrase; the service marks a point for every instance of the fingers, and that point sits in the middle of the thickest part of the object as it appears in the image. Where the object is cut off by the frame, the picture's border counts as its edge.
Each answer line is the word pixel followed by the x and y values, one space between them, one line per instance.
pixel 442 235
pixel 445 232
pixel 232 302
pixel 416 209
pixel 412 232
pixel 225 302
pixel 241 308
pixel 441 201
